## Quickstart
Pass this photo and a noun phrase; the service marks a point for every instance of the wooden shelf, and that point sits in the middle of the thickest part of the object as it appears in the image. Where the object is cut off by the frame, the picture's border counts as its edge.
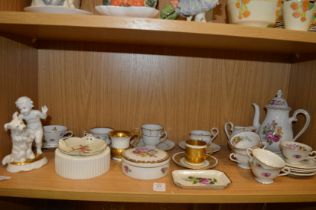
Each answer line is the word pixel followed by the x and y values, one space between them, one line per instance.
pixel 116 187
pixel 143 31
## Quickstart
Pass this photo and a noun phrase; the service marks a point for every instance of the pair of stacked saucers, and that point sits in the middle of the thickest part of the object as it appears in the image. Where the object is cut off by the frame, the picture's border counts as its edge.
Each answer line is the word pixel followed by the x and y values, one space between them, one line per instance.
pixel 299 157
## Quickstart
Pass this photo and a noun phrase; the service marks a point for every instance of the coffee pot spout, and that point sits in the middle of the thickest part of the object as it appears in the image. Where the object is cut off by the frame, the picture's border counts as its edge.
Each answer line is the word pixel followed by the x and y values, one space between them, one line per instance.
pixel 256 118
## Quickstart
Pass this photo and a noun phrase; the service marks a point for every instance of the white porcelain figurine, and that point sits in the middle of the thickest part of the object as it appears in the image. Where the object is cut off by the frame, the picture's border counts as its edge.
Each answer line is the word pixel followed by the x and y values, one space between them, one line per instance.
pixel 22 157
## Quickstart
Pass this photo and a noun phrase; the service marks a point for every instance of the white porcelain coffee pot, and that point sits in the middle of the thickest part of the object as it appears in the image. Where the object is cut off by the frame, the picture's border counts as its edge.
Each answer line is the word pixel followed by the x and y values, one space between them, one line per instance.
pixel 277 125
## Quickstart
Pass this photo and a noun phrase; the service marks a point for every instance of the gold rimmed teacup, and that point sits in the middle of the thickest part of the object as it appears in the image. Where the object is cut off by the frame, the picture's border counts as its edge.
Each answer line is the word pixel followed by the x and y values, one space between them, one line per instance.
pixel 195 151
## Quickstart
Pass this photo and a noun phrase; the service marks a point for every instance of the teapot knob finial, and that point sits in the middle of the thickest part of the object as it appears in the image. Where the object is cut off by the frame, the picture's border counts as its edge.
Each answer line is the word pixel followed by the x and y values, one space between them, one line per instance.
pixel 279 94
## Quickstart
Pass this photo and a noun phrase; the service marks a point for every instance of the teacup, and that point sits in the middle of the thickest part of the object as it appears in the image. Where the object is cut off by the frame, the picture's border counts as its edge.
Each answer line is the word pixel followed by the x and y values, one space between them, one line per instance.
pixel 52 134
pixel 298 14
pixel 120 141
pixel 245 140
pixel 231 129
pixel 102 133
pixel 207 136
pixel 266 165
pixel 295 152
pixel 153 134
pixel 63 3
pixel 241 159
pixel 195 152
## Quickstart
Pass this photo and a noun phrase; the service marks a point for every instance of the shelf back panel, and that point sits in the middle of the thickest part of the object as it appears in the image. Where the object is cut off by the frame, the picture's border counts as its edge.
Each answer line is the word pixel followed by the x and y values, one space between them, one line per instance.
pixel 85 89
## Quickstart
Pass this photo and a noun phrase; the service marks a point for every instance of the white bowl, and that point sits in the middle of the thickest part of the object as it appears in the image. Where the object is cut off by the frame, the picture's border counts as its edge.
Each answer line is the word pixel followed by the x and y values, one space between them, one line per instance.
pixel 260 13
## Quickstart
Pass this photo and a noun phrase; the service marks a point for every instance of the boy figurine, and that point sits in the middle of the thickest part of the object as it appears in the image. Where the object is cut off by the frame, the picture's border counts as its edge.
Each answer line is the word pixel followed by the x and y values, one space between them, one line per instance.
pixel 33 119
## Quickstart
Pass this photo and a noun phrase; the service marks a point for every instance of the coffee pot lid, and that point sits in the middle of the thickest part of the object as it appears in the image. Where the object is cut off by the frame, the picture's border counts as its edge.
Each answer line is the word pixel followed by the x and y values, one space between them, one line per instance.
pixel 278 102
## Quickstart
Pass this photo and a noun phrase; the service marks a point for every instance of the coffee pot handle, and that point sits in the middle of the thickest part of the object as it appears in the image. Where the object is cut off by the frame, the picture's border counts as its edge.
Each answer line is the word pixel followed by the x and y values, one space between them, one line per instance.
pixel 307 121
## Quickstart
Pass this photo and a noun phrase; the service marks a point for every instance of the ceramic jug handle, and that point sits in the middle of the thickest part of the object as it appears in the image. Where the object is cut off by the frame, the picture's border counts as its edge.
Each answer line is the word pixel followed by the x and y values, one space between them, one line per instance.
pixel 233 158
pixel 164 136
pixel 307 121
pixel 228 127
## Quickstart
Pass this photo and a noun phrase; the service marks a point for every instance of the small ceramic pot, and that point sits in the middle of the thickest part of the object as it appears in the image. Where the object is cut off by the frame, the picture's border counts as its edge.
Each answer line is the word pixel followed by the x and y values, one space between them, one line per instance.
pixel 231 129
pixel 260 13
pixel 295 152
pixel 298 14
pixel 266 165
pixel 145 163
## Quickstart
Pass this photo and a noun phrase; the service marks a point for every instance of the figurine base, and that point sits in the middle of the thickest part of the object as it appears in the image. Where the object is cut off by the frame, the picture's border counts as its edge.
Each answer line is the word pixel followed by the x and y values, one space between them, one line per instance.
pixel 17 167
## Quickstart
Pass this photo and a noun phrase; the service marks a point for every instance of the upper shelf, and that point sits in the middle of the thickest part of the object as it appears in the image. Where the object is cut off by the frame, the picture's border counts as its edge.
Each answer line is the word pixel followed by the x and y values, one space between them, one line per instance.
pixel 144 31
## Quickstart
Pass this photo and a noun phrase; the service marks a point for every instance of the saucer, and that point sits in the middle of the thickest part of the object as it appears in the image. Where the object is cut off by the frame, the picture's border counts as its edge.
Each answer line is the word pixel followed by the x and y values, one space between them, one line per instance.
pixel 165 145
pixel 302 174
pixel 210 162
pixel 56 10
pixel 212 147
pixel 305 164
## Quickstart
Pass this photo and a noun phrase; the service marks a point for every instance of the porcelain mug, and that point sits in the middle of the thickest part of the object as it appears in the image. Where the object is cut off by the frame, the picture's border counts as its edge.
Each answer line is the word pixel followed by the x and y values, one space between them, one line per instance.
pixel 266 165
pixel 153 134
pixel 120 141
pixel 295 152
pixel 298 14
pixel 64 3
pixel 52 134
pixel 231 129
pixel 102 133
pixel 195 151
pixel 207 136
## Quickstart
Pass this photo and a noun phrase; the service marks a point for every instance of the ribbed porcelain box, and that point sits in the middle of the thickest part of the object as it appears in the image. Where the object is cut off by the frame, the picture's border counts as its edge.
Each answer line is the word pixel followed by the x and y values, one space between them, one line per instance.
pixel 82 167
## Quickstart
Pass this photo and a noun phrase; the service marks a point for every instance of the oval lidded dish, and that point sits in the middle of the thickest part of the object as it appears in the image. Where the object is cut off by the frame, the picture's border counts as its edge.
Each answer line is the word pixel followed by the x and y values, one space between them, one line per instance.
pixel 145 163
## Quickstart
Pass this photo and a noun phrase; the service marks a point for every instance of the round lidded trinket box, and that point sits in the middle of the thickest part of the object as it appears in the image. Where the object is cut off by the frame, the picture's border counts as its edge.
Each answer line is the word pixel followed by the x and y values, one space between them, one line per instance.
pixel 145 163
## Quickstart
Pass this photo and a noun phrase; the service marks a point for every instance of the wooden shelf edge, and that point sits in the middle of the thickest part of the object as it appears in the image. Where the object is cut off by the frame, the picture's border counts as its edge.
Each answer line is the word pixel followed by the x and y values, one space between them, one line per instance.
pixel 155 198
pixel 96 28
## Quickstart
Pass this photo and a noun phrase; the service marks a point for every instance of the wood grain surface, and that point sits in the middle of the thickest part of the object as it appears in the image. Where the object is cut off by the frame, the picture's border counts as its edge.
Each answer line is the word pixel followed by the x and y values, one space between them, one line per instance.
pixel 18 77
pixel 13 5
pixel 85 89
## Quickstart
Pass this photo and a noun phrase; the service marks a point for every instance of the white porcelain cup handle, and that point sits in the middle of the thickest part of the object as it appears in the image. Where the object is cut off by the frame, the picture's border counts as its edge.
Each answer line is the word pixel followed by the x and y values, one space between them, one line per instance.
pixel 264 144
pixel 285 171
pixel 68 133
pixel 232 157
pixel 312 155
pixel 164 136
pixel 214 134
pixel 228 127
pixel 307 121
pixel 249 153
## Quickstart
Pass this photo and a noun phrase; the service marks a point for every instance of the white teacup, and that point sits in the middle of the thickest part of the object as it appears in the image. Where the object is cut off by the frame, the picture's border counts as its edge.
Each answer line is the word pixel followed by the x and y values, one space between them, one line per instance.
pixel 52 134
pixel 153 134
pixel 231 129
pixel 245 140
pixel 266 165
pixel 102 133
pixel 206 136
pixel 295 152
pixel 63 3
pixel 241 159
pixel 298 15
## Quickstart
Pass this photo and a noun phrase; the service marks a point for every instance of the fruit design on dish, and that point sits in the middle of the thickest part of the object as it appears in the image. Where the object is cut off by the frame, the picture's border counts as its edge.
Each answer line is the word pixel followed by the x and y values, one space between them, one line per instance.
pixel 300 9
pixel 128 3
pixel 145 152
pixel 199 180
pixel 242 5
pixel 82 149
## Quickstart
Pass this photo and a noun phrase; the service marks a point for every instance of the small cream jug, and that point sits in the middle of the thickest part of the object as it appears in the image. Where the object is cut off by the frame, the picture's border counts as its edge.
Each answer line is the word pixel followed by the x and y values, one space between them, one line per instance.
pixel 277 125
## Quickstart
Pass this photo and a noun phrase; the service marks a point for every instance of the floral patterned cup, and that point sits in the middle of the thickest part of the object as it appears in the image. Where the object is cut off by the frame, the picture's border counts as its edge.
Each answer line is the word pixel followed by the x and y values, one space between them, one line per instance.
pixel 298 14
pixel 295 152
pixel 266 165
